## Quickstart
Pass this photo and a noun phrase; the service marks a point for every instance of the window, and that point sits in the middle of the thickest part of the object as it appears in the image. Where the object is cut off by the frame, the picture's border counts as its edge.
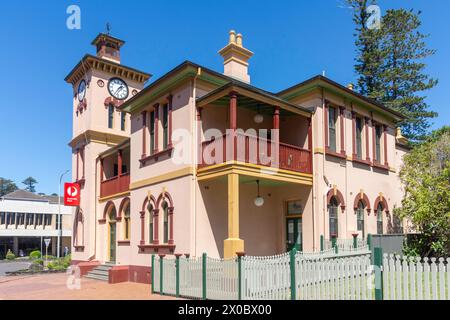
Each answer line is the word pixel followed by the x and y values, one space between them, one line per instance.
pixel 380 219
pixel 332 128
pixel 110 116
pixel 48 220
pixel 333 216
pixel 152 131
pixel 21 218
pixel 360 217
pixel 359 130
pixel 378 133
pixel 2 218
pixel 166 222
pixel 127 222
pixel 39 218
pixel 165 124
pixel 151 218
pixel 10 218
pixel 30 219
pixel 122 121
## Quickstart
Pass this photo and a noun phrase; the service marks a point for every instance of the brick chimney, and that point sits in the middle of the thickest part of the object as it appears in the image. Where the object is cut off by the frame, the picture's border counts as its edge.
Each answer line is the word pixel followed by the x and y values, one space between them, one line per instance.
pixel 235 58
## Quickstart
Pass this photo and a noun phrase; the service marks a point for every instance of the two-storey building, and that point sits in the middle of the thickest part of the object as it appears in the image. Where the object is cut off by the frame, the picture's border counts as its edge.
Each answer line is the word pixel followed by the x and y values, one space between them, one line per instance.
pixel 201 161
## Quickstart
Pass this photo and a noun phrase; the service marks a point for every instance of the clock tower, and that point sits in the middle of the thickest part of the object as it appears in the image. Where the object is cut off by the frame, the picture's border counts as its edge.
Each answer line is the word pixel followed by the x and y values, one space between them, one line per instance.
pixel 100 84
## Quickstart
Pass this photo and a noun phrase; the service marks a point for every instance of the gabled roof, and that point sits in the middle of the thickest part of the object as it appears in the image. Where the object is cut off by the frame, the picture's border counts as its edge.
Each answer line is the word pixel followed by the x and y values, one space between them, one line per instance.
pixel 322 81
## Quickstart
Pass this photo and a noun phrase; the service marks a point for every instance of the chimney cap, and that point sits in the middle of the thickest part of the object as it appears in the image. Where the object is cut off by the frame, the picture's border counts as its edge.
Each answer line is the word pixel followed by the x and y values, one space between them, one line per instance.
pixel 350 86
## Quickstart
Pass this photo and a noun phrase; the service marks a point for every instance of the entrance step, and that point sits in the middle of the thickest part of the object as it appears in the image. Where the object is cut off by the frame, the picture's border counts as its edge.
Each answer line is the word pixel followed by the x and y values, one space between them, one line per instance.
pixel 100 272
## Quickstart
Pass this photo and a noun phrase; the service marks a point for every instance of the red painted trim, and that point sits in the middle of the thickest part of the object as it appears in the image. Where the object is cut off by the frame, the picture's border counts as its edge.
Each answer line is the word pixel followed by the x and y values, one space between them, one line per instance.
pixel 374 143
pixel 233 122
pixel 156 144
pixel 119 162
pixel 101 170
pixel 155 156
pixel 338 196
pixel 130 273
pixel 169 100
pixel 382 200
pixel 385 146
pixel 142 215
pixel 325 112
pixel 341 118
pixel 380 166
pixel 123 242
pixel 155 220
pixel 365 162
pixel 366 124
pixel 107 206
pixel 354 135
pixel 122 205
pixel 199 113
pixel 144 134
pixel 365 200
pixel 152 248
pixel 112 101
pixel 328 152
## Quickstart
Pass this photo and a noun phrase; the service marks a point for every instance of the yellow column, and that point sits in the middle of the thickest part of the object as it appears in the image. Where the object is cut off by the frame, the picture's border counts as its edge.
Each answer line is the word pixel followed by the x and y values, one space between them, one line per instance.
pixel 233 244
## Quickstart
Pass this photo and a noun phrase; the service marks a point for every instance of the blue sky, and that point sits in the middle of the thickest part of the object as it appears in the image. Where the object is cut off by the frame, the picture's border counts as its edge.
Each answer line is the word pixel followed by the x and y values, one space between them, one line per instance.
pixel 292 41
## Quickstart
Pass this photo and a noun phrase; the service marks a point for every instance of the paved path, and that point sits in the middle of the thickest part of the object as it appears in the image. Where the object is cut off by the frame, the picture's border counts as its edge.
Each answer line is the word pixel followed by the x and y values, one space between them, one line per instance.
pixel 53 287
pixel 12 266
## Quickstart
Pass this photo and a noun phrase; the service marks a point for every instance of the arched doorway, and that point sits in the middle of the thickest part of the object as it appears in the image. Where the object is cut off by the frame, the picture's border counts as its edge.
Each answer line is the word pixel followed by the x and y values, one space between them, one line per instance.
pixel 112 233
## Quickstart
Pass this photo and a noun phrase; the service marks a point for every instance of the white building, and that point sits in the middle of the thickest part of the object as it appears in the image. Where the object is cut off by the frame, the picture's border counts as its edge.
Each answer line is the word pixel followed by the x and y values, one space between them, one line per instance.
pixel 26 219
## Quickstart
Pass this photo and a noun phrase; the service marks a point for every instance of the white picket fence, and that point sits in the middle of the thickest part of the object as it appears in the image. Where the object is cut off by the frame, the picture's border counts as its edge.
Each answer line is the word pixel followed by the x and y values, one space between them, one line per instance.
pixel 348 278
pixel 416 278
pixel 221 279
pixel 191 277
pixel 266 278
pixel 345 244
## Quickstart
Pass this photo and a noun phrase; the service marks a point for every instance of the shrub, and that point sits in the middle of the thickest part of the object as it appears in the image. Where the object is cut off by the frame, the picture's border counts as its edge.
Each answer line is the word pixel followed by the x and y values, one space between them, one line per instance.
pixel 10 255
pixel 39 262
pixel 35 254
pixel 48 257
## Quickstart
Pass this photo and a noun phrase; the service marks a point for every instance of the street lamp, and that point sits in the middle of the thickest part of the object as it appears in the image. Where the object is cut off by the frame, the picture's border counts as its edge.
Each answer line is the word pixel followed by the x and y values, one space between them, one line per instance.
pixel 58 218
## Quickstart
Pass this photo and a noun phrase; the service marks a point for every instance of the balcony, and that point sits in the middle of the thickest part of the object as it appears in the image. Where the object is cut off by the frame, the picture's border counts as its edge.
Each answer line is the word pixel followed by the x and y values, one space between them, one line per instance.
pixel 114 171
pixel 115 185
pixel 255 150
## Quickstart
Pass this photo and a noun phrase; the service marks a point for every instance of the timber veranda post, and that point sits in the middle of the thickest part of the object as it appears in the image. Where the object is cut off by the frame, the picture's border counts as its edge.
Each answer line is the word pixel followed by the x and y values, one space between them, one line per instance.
pixel 378 264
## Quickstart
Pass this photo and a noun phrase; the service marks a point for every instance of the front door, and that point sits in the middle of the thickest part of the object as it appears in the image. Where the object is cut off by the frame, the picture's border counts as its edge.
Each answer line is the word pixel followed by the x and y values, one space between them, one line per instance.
pixel 294 234
pixel 112 241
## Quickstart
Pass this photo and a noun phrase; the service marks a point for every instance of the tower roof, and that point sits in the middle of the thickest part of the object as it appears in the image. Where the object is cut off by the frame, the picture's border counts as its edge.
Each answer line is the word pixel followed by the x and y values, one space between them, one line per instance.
pixel 107 38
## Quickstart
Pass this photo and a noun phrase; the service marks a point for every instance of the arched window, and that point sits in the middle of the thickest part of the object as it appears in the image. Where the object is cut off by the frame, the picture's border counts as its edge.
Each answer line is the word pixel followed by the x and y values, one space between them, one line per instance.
pixel 151 218
pixel 360 217
pixel 126 220
pixel 380 218
pixel 333 216
pixel 165 208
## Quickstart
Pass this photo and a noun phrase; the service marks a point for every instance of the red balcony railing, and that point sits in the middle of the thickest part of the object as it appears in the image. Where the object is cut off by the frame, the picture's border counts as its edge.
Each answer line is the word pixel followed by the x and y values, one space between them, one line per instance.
pixel 114 185
pixel 255 150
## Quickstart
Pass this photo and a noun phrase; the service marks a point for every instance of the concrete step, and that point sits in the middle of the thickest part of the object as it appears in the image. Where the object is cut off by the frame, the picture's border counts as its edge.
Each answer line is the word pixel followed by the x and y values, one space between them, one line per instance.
pixel 99 272
pixel 103 268
pixel 109 263
pixel 97 277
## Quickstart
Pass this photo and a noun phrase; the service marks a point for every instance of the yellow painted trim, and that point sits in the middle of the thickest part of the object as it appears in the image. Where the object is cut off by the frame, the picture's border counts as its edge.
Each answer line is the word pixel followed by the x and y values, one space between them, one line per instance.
pixel 162 178
pixel 319 150
pixel 98 137
pixel 391 169
pixel 254 171
pixel 114 196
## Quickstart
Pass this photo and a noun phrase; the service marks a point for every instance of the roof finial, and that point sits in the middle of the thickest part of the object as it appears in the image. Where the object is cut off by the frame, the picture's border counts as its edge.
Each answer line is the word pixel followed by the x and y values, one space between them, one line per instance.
pixel 108 28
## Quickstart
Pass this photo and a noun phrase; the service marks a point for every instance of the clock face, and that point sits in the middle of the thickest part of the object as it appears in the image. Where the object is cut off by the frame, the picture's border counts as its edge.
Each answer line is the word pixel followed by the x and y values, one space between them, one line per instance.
pixel 81 90
pixel 118 88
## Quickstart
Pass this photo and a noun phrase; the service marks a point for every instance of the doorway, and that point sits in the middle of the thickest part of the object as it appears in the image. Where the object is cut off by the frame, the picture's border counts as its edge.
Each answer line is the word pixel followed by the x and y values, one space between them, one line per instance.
pixel 112 235
pixel 294 230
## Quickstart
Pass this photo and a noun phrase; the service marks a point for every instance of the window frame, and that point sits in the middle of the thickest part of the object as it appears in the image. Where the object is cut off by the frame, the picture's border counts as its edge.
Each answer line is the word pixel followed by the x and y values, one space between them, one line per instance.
pixel 380 225
pixel 165 125
pixel 333 220
pixel 165 207
pixel 332 128
pixel 360 219
pixel 123 118
pixel 359 142
pixel 152 131
pixel 110 116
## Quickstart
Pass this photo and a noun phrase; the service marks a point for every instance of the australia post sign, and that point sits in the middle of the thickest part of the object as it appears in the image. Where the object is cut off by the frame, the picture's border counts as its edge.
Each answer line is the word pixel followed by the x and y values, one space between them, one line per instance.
pixel 71 194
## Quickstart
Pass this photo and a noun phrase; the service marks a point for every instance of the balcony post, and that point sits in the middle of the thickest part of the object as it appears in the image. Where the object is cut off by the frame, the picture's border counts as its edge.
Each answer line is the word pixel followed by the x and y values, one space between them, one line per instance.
pixel 101 170
pixel 233 243
pixel 276 117
pixel 233 123
pixel 119 163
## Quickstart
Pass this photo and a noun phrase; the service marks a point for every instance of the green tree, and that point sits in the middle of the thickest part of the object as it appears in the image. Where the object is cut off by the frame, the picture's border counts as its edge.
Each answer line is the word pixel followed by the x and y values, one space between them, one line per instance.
pixel 30 183
pixel 390 67
pixel 6 186
pixel 368 60
pixel 426 203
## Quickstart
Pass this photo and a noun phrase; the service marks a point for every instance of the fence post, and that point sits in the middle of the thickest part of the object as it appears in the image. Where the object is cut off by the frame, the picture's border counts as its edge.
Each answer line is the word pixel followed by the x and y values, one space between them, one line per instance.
pixel 239 262
pixel 204 276
pixel 378 263
pixel 177 274
pixel 334 243
pixel 321 242
pixel 355 240
pixel 369 241
pixel 153 273
pixel 161 262
pixel 292 267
